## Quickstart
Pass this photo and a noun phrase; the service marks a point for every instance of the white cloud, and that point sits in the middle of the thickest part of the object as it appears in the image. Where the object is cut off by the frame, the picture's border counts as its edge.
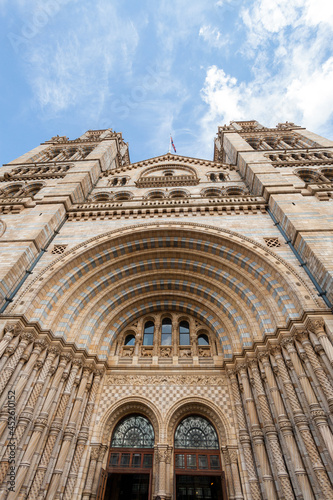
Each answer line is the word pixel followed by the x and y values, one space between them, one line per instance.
pixel 76 67
pixel 292 71
pixel 213 36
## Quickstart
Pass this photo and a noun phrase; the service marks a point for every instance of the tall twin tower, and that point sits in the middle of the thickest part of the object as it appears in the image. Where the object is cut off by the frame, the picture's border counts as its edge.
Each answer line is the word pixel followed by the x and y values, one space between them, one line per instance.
pixel 166 327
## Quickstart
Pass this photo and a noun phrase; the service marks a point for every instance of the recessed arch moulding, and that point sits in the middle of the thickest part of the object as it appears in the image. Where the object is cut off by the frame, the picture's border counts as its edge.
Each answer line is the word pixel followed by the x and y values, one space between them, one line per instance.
pixel 239 289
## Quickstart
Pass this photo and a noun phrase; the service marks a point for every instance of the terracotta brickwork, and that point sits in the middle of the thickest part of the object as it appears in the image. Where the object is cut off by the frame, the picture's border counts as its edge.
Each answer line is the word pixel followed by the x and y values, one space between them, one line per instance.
pixel 170 287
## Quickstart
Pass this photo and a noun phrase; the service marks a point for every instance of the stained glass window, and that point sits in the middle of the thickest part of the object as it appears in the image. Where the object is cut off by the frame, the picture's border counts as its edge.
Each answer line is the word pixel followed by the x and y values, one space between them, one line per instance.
pixel 133 432
pixel 196 433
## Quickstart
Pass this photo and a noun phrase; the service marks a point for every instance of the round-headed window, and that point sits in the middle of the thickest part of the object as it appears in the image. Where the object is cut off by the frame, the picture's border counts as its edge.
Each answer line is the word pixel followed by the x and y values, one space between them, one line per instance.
pixel 196 432
pixel 184 333
pixel 203 339
pixel 129 340
pixel 134 431
pixel 148 333
pixel 166 331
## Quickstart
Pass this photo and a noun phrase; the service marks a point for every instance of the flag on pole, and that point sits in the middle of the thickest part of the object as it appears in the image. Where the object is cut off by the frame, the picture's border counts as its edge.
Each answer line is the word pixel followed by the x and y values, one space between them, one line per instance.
pixel 172 144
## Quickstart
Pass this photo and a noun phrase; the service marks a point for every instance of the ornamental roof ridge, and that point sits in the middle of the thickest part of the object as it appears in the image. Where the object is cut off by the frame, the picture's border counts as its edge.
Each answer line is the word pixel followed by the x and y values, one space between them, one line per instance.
pixel 169 157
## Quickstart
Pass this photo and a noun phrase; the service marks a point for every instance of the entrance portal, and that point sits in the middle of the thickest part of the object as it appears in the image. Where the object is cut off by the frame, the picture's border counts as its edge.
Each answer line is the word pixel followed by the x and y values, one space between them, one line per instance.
pixel 127 486
pixel 199 487
pixel 197 461
pixel 130 462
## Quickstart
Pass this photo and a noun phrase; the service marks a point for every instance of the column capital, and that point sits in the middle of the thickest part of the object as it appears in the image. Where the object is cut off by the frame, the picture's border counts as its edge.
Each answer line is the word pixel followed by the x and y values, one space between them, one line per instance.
pixel 316 325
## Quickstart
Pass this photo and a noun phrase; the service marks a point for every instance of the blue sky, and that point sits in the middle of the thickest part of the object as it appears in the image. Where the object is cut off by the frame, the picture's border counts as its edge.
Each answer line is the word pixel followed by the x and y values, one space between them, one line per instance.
pixel 153 67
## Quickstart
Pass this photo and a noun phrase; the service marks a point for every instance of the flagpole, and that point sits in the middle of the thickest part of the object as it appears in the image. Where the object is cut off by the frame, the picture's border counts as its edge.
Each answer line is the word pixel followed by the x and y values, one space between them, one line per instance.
pixel 170 144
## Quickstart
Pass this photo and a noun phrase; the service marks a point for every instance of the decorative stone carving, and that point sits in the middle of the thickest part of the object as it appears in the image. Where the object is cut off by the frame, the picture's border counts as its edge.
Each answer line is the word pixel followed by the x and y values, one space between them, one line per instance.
pixel 185 353
pixel 165 352
pixel 127 352
pixel 204 352
pixel 2 227
pixel 135 380
pixel 146 352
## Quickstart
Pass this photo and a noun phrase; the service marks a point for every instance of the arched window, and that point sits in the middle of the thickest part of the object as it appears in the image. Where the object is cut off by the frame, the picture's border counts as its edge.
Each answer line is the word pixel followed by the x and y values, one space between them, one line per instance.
pixel 115 181
pixel 123 181
pixel 148 334
pixel 101 197
pixel 166 331
pixel 156 195
pixel 212 177
pixel 184 333
pixel 307 175
pixel 203 339
pixel 196 432
pixel 129 340
pixel 221 177
pixel 122 197
pixel 328 173
pixel 133 432
pixel 12 191
pixel 178 194
pixel 212 193
pixel 235 191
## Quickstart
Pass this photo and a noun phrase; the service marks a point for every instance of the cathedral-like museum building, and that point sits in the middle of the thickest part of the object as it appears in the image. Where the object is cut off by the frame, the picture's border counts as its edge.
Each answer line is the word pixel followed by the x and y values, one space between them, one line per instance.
pixel 166 327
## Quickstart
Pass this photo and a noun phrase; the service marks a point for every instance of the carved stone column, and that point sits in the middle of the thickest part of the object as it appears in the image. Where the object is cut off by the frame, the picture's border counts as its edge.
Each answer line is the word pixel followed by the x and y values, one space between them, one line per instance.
pixel 302 424
pixel 228 473
pixel 40 424
pixel 38 346
pixel 235 474
pixel 9 351
pixel 244 437
pixel 18 386
pixel 162 452
pixel 317 413
pixel 68 434
pixel 11 331
pixel 95 451
pixel 175 336
pixel 157 336
pixel 55 429
pixel 27 413
pixel 12 384
pixel 317 326
pixel 102 451
pixel 319 371
pixel 7 371
pixel 286 430
pixel 257 435
pixel 271 433
pixel 82 438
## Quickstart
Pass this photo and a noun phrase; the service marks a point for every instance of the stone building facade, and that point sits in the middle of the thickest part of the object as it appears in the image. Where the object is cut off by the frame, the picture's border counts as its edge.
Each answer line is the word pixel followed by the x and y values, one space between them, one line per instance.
pixel 166 325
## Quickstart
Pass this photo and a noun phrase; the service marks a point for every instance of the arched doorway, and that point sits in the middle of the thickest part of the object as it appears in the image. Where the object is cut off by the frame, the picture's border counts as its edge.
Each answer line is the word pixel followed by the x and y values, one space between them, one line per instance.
pixel 198 470
pixel 128 472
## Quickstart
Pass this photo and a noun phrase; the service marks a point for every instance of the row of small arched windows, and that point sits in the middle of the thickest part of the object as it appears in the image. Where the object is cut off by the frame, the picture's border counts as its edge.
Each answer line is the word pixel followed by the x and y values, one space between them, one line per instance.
pixel 322 175
pixel 177 194
pixel 118 181
pixel 21 190
pixel 217 177
pixel 166 334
